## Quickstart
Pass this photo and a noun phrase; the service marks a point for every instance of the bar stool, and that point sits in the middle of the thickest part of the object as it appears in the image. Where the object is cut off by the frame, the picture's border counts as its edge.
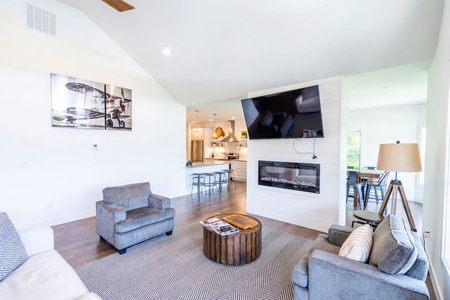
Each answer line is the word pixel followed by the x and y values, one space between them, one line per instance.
pixel 230 176
pixel 198 180
pixel 210 180
pixel 221 180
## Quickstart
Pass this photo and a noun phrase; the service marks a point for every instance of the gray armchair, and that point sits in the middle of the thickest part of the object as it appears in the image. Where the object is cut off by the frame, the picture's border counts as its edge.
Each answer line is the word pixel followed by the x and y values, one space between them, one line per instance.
pixel 131 214
pixel 388 274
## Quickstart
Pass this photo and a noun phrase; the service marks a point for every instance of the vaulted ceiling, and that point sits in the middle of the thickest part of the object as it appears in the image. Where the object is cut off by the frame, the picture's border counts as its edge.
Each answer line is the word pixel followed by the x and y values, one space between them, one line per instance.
pixel 221 50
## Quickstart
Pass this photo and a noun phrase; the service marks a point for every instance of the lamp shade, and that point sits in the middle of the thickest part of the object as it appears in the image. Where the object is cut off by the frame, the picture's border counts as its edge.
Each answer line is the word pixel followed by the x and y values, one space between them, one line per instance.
pixel 399 157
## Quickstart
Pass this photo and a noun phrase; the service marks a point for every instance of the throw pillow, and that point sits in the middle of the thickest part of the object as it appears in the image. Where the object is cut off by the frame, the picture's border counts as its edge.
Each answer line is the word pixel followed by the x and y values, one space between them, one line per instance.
pixel 393 250
pixel 358 244
pixel 12 250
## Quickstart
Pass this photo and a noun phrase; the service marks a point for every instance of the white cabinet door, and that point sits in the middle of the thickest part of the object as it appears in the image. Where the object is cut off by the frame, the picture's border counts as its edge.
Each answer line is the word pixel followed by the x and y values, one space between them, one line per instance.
pixel 240 169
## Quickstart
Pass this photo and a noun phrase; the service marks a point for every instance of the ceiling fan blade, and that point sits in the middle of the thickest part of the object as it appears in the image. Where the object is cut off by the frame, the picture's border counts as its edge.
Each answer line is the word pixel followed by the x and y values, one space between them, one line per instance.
pixel 119 5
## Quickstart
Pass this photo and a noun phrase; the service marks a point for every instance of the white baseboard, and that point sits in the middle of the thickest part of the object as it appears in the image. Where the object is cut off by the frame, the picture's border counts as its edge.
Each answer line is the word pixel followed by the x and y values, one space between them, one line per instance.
pixel 434 282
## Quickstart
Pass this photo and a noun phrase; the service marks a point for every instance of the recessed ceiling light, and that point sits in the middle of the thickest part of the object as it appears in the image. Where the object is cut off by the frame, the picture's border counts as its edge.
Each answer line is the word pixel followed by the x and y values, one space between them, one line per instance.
pixel 166 51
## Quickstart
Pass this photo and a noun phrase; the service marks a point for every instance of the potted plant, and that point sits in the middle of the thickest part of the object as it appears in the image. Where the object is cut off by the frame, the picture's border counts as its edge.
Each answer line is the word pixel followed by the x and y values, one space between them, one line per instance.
pixel 244 134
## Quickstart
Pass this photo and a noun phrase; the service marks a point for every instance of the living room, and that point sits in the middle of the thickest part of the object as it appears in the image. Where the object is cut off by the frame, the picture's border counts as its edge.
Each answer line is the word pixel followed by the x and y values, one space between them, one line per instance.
pixel 60 177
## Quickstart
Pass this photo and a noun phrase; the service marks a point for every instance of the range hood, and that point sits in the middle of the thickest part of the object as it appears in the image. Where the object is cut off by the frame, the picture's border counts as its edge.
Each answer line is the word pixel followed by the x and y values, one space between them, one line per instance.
pixel 231 138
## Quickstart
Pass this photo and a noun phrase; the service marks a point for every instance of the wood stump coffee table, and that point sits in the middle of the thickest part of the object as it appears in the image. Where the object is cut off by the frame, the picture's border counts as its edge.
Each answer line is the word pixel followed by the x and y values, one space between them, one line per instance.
pixel 234 249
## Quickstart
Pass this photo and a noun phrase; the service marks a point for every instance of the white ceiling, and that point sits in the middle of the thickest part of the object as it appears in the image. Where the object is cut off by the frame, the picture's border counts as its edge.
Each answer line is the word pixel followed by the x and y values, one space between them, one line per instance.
pixel 222 50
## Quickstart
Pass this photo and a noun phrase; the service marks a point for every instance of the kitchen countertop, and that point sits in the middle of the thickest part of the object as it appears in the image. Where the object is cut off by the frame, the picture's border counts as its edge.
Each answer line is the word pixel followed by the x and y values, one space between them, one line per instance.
pixel 210 162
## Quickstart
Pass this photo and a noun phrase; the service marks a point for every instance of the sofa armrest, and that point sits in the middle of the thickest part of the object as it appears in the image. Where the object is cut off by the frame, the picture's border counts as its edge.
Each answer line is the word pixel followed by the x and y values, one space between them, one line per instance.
pixel 107 215
pixel 337 234
pixel 158 202
pixel 37 240
pixel 335 277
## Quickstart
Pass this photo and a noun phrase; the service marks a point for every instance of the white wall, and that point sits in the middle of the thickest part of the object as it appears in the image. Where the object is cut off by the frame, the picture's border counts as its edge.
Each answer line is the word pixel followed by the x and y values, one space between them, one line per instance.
pixel 317 211
pixel 436 181
pixel 385 126
pixel 50 175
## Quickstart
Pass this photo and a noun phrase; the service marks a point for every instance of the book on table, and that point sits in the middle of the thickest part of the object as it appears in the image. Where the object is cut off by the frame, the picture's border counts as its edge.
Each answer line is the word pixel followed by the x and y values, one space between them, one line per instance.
pixel 219 226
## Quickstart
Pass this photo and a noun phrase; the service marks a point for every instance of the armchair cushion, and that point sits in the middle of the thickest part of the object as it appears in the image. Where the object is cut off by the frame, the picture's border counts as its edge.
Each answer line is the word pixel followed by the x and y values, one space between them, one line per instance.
pixel 129 196
pixel 12 251
pixel 140 217
pixel 357 246
pixel 393 250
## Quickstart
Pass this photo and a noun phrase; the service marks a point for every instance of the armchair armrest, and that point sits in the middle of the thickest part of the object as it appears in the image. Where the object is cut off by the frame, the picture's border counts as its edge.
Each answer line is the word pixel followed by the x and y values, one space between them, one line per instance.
pixel 158 202
pixel 335 277
pixel 337 234
pixel 107 215
pixel 37 240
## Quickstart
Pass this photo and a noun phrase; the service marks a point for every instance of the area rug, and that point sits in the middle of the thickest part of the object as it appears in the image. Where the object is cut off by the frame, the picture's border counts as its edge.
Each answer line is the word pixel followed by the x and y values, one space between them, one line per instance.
pixel 174 267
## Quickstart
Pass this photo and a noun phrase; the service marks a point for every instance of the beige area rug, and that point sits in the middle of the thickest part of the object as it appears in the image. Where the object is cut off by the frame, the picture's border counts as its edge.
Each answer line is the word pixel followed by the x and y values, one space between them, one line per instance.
pixel 174 267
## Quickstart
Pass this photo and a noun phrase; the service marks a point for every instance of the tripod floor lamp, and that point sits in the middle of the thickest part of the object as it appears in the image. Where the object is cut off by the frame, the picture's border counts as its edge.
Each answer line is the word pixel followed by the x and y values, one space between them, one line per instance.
pixel 398 158
pixel 395 158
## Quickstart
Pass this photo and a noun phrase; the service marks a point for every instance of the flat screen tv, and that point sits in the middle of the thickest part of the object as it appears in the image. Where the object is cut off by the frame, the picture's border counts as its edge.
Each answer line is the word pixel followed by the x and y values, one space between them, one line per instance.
pixel 286 115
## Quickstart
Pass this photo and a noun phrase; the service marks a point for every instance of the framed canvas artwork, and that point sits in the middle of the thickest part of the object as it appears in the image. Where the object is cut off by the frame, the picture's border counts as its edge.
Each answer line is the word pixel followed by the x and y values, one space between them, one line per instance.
pixel 80 103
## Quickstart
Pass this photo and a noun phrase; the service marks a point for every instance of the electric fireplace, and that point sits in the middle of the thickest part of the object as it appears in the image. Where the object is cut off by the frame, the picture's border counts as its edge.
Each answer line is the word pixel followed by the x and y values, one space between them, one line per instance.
pixel 290 175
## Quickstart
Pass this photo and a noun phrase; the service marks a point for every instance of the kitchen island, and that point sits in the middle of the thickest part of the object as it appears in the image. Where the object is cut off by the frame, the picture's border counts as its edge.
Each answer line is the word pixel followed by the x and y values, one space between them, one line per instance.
pixel 208 165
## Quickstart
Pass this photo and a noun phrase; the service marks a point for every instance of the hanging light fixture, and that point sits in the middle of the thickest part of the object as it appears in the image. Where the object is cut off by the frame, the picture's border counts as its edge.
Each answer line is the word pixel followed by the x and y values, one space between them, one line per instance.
pixel 214 133
pixel 196 121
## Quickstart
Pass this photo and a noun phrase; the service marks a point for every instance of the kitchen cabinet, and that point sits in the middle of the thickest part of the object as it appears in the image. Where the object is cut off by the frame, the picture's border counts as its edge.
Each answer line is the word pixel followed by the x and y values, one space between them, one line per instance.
pixel 240 169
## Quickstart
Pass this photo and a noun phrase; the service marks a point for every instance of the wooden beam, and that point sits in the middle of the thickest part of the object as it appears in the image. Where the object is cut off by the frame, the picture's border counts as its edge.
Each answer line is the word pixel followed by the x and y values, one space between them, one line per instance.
pixel 119 5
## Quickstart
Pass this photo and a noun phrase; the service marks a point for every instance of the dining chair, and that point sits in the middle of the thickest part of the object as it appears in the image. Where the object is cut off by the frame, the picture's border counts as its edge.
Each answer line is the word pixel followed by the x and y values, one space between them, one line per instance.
pixel 352 181
pixel 376 184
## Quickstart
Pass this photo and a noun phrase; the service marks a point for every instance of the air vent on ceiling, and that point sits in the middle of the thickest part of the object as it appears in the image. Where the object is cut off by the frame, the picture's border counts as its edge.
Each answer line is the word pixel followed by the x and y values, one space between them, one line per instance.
pixel 41 20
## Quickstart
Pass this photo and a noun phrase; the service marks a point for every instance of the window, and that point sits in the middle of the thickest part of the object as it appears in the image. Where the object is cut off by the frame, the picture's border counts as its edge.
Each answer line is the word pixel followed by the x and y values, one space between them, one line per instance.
pixel 354 150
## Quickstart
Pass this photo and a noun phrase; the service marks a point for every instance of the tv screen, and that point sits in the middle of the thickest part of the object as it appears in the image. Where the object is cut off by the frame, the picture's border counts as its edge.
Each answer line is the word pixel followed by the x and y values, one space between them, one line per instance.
pixel 286 115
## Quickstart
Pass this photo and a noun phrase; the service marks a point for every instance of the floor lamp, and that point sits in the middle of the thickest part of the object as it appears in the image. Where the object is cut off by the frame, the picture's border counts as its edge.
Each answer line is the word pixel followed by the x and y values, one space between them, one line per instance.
pixel 398 158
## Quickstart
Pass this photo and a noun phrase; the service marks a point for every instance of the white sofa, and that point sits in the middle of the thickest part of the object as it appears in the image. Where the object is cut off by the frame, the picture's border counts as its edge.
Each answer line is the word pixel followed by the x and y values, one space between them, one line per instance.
pixel 45 274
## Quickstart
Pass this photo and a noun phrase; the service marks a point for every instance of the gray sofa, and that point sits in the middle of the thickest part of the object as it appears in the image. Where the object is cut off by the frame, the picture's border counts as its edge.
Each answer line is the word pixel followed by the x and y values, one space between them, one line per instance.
pixel 131 214
pixel 396 269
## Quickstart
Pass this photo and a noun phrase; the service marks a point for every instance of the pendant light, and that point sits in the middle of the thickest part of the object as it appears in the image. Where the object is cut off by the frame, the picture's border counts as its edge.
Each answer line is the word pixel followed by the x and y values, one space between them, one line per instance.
pixel 196 123
pixel 214 134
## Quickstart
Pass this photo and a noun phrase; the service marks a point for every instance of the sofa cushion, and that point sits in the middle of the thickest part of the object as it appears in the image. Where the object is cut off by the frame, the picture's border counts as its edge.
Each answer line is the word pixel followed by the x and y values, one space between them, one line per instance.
pixel 12 250
pixel 129 196
pixel 43 276
pixel 140 217
pixel 357 246
pixel 393 249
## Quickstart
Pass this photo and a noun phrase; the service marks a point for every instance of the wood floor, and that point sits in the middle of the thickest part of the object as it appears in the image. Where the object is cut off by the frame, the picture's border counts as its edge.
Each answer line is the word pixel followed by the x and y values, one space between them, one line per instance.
pixel 79 243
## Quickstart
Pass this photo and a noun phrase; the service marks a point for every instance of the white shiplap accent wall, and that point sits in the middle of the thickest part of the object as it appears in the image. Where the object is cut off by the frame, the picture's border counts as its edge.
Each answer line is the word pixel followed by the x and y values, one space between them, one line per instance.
pixel 317 211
